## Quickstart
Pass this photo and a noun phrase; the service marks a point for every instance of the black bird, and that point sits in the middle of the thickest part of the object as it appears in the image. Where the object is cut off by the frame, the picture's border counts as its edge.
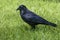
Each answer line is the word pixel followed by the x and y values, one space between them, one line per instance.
pixel 31 18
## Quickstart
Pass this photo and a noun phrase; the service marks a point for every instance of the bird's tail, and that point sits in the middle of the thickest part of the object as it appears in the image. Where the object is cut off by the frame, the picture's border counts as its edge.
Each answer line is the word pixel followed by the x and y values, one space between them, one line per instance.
pixel 52 24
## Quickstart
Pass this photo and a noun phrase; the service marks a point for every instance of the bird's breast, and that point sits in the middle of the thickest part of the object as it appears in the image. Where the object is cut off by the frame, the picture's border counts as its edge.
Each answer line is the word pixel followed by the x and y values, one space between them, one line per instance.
pixel 26 17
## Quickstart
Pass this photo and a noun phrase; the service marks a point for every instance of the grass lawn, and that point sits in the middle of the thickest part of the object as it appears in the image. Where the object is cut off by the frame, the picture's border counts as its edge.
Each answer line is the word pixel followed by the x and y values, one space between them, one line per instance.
pixel 12 27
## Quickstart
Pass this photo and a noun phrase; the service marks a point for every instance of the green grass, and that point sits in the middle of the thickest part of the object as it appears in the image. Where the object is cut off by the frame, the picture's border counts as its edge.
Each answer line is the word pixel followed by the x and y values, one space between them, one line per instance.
pixel 12 27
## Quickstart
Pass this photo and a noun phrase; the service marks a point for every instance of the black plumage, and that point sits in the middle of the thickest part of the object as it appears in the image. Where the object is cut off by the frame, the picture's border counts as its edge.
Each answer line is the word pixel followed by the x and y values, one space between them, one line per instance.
pixel 31 18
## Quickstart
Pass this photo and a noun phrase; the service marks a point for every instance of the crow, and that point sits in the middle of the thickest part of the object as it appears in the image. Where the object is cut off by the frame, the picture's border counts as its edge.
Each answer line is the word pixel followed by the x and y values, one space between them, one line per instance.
pixel 31 18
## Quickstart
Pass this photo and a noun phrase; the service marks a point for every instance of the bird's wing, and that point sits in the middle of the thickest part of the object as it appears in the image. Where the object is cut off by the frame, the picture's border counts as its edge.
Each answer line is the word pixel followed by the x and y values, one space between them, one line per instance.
pixel 37 19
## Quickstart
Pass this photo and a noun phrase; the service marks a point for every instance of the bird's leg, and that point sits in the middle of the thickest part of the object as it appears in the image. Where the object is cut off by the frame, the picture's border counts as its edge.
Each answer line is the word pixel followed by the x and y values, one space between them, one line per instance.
pixel 33 26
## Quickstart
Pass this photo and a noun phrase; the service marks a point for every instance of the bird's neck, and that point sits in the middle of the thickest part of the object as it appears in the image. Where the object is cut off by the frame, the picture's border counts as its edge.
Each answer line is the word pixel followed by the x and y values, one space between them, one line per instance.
pixel 22 12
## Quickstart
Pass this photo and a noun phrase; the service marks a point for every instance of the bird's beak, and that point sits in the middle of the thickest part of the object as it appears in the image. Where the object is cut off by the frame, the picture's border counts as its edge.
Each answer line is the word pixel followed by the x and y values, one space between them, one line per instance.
pixel 17 9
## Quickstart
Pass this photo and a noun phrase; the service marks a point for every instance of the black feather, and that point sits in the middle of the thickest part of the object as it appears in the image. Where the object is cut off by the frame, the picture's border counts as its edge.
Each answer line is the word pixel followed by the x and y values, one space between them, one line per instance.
pixel 31 18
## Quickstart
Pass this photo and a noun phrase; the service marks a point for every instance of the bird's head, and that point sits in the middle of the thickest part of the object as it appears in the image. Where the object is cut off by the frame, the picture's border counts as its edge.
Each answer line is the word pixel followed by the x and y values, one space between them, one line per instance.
pixel 21 7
